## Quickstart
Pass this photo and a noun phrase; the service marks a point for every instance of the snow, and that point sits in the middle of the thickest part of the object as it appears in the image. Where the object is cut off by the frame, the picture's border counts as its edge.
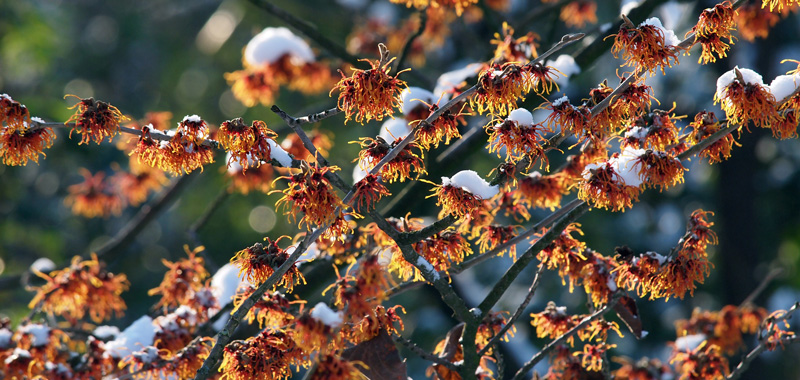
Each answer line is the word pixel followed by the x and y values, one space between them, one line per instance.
pixel 784 85
pixel 521 116
pixel 43 265
pixel 146 355
pixel 273 43
pixel 413 97
pixel 564 63
pixel 382 12
pixel 18 353
pixel 422 263
pixel 643 334
pixel 749 76
pixel 106 332
pixel 628 6
pixel 225 282
pixel 453 79
pixel 37 119
pixel 558 102
pixel 470 181
pixel 311 254
pixel 5 338
pixel 535 175
pixel 393 129
pixel 612 285
pixel 638 133
pixel 139 334
pixel 277 153
pixel 59 368
pixel 561 310
pixel 627 166
pixel 192 119
pixel 324 314
pixel 39 332
pixel 689 342
pixel 385 257
pixel 670 39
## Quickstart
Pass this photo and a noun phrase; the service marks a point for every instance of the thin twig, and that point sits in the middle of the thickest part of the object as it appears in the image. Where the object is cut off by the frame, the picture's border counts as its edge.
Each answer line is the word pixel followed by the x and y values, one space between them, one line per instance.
pixel 561 339
pixel 422 353
pixel 763 345
pixel 510 322
pixel 774 273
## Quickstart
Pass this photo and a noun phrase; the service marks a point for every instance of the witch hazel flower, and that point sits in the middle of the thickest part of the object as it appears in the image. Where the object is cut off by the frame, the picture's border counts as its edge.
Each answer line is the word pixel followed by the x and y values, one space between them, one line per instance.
pixel 463 193
pixel 744 97
pixel 714 25
pixel 613 184
pixel 647 47
pixel 519 136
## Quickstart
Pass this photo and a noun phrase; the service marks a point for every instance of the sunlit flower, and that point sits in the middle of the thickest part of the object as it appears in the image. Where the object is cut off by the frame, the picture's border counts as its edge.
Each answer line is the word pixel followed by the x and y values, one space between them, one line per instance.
pixel 22 144
pixel 312 194
pixel 13 114
pixel 272 311
pixel 367 192
pixel 458 5
pixel 566 254
pixel 93 197
pixel 744 97
pixel 633 101
pixel 268 355
pixel 182 154
pixel 656 131
pixel 399 168
pixel 316 330
pixel 704 125
pixel 258 262
pixel 518 136
pixel 499 88
pixel 592 355
pixel 648 46
pixel 322 140
pixel 381 319
pixel 494 235
pixel 643 369
pixel 607 185
pixel 189 359
pixel 332 367
pixel 541 191
pixel 136 184
pixel 554 321
pixel 714 25
pixel 568 118
pixel 779 4
pixel 491 326
pixel 462 194
pixel 510 49
pixel 369 94
pixel 442 129
pixel 247 145
pixel 183 277
pixel 576 14
pixel 754 21
pixel 660 169
pixel 775 329
pixel 705 362
pixel 85 287
pixel 95 120
pixel 598 279
pixel 596 151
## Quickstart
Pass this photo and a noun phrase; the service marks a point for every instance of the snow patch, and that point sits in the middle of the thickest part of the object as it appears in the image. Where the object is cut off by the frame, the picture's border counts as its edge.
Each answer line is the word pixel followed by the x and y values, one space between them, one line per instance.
pixel 689 342
pixel 5 338
pixel 273 43
pixel 558 102
pixel 784 85
pixel 106 332
pixel 40 333
pixel 749 76
pixel 470 181
pixel 393 129
pixel 453 79
pixel 413 97
pixel 566 64
pixel 225 282
pixel 324 314
pixel 521 116
pixel 277 153
pixel 139 334
pixel 192 119
pixel 17 354
pixel 43 265
pixel 422 263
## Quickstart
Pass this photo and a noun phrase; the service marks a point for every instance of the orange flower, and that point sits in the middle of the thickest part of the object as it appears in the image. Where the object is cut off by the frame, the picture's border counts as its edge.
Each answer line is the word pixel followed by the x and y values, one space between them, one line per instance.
pixel 183 278
pixel 554 322
pixel 272 311
pixel 510 49
pixel 743 96
pixel 779 4
pixel 593 354
pixel 372 324
pixel 316 331
pixel 633 101
pixel 491 326
pixel 260 178
pixel 705 362
pixel 597 276
pixel 499 88
pixel 247 145
pixel 566 254
pixel 753 21
pixel 568 118
pixel 518 136
pixel 84 287
pixel 268 355
pixel 655 131
pixel 495 235
pixel 660 169
pixel 536 190
pixel 706 124
pixel 458 5
pixel 608 185
pixel 312 194
pixel 369 94
pixel 332 367
pixel 253 86
pixel 321 140
pixel 137 184
pixel 93 197
pixel 368 191
pixel 258 263
pixel 443 128
pixel 646 47
pixel 18 145
pixel 399 168
pixel 715 24
pixel 182 154
pixel 14 114
pixel 576 14
pixel 773 330
pixel 644 369
pixel 95 120
pixel 462 194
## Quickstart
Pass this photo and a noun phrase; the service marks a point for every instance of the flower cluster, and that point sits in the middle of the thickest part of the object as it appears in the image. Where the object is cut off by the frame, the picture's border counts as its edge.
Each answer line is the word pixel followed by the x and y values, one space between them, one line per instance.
pixel 714 26
pixel 182 279
pixel 20 142
pixel 519 136
pixel 399 168
pixel 94 197
pixel 272 311
pixel 268 355
pixel 312 194
pixel 462 194
pixel 510 49
pixel 95 120
pixel 247 145
pixel 258 262
pixel 646 47
pixel 744 97
pixel 459 6
pixel 369 94
pixel 83 287
pixel 723 328
pixel 614 184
